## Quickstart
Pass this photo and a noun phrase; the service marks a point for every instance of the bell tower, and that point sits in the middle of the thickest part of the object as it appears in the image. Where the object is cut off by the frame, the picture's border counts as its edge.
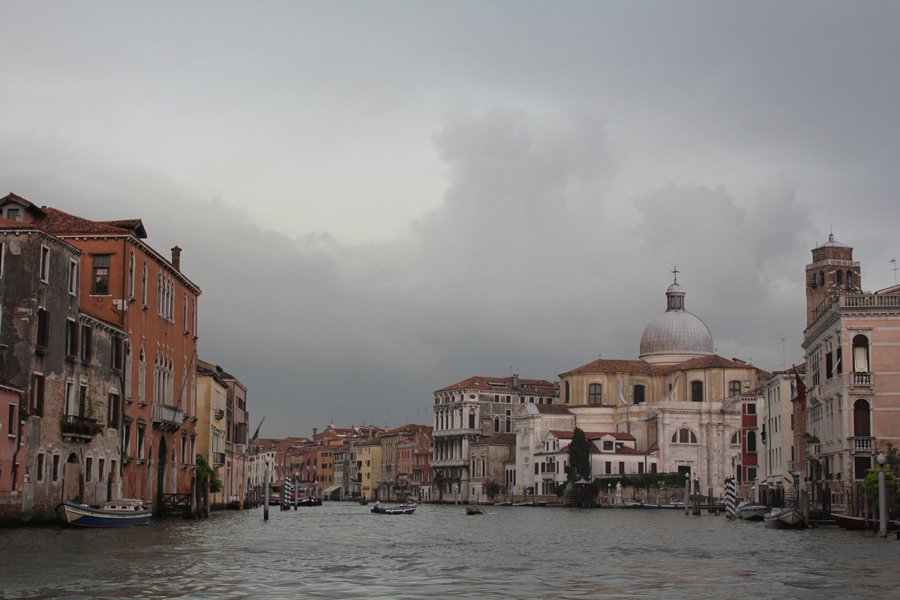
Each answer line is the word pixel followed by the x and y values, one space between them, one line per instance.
pixel 832 271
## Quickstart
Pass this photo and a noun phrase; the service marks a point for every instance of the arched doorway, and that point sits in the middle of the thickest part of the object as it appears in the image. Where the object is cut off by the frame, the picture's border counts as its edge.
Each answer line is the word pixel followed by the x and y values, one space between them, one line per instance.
pixel 73 485
pixel 161 474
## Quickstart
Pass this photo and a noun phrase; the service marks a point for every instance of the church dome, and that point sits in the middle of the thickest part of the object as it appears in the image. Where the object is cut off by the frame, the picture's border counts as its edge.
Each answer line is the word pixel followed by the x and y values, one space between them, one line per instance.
pixel 676 335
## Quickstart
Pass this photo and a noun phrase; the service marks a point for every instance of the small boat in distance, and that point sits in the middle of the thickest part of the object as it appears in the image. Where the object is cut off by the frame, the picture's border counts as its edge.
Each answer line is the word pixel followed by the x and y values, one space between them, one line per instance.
pixel 398 510
pixel 114 513
pixel 751 511
pixel 310 501
pixel 474 510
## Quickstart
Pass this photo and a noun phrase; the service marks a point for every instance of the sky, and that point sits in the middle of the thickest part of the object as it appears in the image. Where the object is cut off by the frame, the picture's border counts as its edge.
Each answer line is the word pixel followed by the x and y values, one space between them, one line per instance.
pixel 381 199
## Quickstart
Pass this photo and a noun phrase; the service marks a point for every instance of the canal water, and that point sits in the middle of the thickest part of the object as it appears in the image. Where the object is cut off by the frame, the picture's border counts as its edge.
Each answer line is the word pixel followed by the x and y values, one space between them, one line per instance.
pixel 341 550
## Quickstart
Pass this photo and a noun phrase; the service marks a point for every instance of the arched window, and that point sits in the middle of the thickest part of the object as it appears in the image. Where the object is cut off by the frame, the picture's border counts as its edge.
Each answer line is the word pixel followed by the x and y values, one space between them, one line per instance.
pixel 849 279
pixel 496 424
pixel 751 441
pixel 840 278
pixel 822 278
pixel 734 388
pixel 638 394
pixel 860 354
pixel 684 436
pixel 812 281
pixel 567 392
pixel 595 394
pixel 861 422
pixel 696 391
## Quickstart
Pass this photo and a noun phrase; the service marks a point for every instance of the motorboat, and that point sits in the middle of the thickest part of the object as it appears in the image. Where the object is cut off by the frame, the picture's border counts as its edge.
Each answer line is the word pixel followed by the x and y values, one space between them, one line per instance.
pixel 396 510
pixel 113 513
pixel 751 511
pixel 474 510
pixel 309 501
pixel 785 518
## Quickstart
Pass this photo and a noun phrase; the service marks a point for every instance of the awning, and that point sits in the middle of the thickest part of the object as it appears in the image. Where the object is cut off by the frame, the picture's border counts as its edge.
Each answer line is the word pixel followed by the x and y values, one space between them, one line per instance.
pixel 328 491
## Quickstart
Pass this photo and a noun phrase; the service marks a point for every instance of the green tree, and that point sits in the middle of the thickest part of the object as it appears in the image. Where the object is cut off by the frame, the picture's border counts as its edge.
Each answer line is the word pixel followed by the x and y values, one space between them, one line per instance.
pixel 206 473
pixel 579 457
pixel 491 488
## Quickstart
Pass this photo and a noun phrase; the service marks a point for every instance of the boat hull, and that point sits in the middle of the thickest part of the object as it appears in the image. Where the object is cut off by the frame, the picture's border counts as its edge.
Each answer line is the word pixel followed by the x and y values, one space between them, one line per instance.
pixel 858 523
pixel 80 515
pixel 785 519
pixel 405 510
pixel 751 511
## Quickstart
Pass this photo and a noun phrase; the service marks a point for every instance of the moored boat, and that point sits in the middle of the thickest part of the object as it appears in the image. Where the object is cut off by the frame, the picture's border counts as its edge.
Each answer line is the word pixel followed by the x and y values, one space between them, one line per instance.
pixel 751 511
pixel 785 518
pixel 114 513
pixel 848 522
pixel 309 501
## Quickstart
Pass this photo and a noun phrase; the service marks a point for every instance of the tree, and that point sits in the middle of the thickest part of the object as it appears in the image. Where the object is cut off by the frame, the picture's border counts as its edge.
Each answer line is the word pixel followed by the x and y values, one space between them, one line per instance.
pixel 491 488
pixel 579 457
pixel 207 473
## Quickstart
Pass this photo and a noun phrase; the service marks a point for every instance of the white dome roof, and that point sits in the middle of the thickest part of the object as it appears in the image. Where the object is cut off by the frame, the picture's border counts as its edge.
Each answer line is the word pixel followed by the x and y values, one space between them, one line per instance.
pixel 676 332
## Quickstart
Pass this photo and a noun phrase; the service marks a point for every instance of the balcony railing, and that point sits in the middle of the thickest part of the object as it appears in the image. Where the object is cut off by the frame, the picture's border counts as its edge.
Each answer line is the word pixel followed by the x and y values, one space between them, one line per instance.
pixel 862 378
pixel 218 459
pixel 863 444
pixel 167 417
pixel 75 426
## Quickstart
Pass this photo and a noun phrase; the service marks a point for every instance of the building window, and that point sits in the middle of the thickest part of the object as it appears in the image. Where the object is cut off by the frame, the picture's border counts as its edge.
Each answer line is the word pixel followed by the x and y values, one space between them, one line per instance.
pixel 43 328
pixel 849 279
pixel 638 394
pixel 696 391
pixel 36 402
pixel 73 277
pixel 861 422
pixel 40 466
pixel 87 335
pixel 117 349
pixel 71 338
pixel 112 410
pixel 496 424
pixel 751 441
pixel 55 470
pixel 595 394
pixel 734 388
pixel 735 439
pixel 82 400
pixel 131 276
pixel 140 440
pixel 608 446
pixel 11 420
pixel 144 285
pixel 860 354
pixel 2 254
pixel 88 467
pixel 100 274
pixel 684 436
pixel 101 464
pixel 751 408
pixel 45 264
pixel 126 439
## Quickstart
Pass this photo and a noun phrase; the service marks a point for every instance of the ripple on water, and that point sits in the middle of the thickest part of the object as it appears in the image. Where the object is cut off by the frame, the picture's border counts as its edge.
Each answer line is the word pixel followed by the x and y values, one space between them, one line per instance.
pixel 341 550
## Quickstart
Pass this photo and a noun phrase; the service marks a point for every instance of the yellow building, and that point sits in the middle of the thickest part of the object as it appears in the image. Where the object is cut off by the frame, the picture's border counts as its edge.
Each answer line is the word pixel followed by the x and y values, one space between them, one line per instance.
pixel 368 460
pixel 212 393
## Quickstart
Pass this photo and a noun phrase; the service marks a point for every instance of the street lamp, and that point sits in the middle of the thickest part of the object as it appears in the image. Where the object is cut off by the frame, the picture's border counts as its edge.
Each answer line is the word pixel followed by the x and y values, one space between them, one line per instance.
pixel 687 493
pixel 882 496
pixel 609 494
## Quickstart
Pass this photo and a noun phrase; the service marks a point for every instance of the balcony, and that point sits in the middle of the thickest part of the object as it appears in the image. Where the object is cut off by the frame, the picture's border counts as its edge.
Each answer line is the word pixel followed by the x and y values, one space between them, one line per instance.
pixel 167 417
pixel 453 462
pixel 861 379
pixel 219 414
pixel 862 444
pixel 218 459
pixel 80 429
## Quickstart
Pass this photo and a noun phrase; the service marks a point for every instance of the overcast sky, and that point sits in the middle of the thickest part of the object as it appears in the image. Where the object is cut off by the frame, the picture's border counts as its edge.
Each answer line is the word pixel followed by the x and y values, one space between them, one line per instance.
pixel 380 199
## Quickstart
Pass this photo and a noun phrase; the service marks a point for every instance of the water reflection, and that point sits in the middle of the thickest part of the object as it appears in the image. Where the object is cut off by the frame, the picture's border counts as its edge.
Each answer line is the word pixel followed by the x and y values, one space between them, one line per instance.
pixel 341 550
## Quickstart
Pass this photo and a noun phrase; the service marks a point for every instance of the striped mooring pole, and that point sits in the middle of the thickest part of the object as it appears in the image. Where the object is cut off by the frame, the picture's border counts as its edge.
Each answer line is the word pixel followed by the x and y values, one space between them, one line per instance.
pixel 730 497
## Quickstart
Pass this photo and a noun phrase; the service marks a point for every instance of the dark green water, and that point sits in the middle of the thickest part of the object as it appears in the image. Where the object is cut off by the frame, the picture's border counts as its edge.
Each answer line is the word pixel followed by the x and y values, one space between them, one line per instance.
pixel 341 550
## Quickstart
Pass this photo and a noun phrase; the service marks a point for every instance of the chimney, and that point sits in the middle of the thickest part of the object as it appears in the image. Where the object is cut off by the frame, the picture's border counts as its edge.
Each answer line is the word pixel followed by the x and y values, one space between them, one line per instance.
pixel 176 258
pixel 515 381
pixel 315 429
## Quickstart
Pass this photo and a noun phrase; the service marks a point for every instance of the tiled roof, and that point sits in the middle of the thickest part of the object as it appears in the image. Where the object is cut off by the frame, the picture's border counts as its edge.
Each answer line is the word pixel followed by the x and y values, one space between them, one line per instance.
pixel 619 435
pixel 62 223
pixel 136 226
pixel 603 365
pixel 504 385
pixel 31 207
pixel 639 367
pixel 553 409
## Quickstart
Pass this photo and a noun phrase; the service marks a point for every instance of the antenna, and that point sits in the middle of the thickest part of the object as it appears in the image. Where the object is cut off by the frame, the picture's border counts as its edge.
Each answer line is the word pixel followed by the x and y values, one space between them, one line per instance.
pixel 783 351
pixel 893 261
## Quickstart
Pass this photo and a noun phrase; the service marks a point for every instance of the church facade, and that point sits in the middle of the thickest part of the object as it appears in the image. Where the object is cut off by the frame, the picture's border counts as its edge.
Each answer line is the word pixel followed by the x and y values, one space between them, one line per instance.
pixel 680 401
